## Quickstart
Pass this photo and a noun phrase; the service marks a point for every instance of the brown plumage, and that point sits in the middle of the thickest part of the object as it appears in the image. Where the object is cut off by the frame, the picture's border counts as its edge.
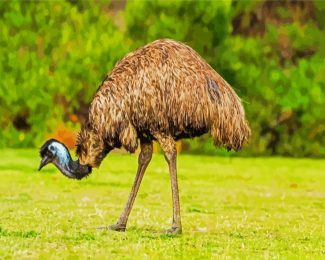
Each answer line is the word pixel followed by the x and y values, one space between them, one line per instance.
pixel 164 91
pixel 164 88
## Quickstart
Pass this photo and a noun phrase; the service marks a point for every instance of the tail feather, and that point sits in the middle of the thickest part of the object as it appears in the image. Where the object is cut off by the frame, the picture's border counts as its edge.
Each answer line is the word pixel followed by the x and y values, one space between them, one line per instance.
pixel 229 127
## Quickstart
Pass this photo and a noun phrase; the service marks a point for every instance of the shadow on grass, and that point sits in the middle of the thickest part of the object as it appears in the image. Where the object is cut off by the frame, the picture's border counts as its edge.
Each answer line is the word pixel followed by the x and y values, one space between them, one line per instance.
pixel 22 234
pixel 152 233
pixel 80 237
pixel 104 183
pixel 146 232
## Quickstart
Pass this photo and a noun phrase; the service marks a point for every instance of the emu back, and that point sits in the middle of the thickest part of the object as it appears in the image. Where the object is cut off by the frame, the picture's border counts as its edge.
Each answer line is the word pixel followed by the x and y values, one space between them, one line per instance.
pixel 166 87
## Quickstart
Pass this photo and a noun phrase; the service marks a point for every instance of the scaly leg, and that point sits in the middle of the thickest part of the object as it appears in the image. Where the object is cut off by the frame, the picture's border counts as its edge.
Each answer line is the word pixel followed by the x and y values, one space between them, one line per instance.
pixel 168 145
pixel 143 161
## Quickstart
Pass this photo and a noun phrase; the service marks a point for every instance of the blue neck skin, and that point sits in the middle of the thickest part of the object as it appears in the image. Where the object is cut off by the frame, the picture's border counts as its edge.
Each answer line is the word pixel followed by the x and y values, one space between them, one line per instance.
pixel 63 161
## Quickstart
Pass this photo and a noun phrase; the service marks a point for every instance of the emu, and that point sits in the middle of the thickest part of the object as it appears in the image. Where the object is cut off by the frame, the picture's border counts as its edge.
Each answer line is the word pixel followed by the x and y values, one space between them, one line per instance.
pixel 161 92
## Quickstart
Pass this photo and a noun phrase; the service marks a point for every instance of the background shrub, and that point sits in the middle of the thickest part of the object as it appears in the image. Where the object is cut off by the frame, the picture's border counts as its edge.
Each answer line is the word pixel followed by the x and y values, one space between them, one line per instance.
pixel 53 57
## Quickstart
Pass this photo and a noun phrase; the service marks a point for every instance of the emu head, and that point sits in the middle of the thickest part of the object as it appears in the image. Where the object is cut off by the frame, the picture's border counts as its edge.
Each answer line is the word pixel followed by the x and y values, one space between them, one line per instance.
pixel 57 153
pixel 91 147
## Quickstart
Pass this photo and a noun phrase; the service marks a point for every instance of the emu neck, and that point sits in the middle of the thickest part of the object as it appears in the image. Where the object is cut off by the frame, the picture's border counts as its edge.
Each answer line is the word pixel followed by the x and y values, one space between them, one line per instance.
pixel 69 168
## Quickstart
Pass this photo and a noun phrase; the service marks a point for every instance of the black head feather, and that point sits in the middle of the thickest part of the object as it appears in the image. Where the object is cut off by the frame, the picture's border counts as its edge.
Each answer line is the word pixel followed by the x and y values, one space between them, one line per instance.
pixel 43 150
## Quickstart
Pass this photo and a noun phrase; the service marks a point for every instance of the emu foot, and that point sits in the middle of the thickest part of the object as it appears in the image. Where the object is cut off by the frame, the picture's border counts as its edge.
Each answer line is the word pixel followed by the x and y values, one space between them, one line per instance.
pixel 117 227
pixel 174 231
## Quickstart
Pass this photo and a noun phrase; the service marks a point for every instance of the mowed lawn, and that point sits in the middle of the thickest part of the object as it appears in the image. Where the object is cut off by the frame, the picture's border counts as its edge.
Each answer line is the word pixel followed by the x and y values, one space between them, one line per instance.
pixel 237 207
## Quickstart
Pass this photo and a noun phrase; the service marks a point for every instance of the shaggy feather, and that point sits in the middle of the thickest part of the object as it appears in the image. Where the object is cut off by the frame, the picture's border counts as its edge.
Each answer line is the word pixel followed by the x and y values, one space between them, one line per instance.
pixel 164 88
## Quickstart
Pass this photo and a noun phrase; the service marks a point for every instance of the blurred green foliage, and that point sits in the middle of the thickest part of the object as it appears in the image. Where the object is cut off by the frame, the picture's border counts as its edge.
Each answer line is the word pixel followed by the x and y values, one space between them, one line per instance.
pixel 54 55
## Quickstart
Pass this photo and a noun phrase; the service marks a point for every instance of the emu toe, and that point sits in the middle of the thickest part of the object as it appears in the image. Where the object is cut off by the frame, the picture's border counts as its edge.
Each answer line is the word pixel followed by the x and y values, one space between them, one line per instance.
pixel 174 231
pixel 117 227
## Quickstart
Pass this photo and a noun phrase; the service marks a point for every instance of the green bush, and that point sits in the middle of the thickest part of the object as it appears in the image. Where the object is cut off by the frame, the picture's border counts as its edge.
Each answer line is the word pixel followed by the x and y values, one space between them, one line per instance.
pixel 53 56
pixel 201 24
pixel 281 76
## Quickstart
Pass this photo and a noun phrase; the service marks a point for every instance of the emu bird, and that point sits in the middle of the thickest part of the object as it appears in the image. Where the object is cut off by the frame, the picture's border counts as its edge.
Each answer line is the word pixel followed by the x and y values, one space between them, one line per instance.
pixel 163 91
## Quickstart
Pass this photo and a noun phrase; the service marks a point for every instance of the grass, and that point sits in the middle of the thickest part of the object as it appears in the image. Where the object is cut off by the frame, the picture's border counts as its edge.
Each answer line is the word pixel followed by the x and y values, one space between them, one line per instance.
pixel 231 207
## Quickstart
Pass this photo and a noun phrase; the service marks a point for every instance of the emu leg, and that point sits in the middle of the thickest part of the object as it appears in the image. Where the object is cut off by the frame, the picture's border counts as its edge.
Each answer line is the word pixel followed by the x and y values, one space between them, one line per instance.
pixel 169 147
pixel 143 161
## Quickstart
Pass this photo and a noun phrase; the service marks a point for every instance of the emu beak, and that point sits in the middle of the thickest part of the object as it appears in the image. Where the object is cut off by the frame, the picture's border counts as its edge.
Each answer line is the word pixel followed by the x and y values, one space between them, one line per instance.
pixel 45 160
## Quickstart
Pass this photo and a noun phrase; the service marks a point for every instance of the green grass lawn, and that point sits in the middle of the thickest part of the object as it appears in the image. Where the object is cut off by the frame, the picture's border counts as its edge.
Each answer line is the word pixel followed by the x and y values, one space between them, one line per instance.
pixel 238 207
